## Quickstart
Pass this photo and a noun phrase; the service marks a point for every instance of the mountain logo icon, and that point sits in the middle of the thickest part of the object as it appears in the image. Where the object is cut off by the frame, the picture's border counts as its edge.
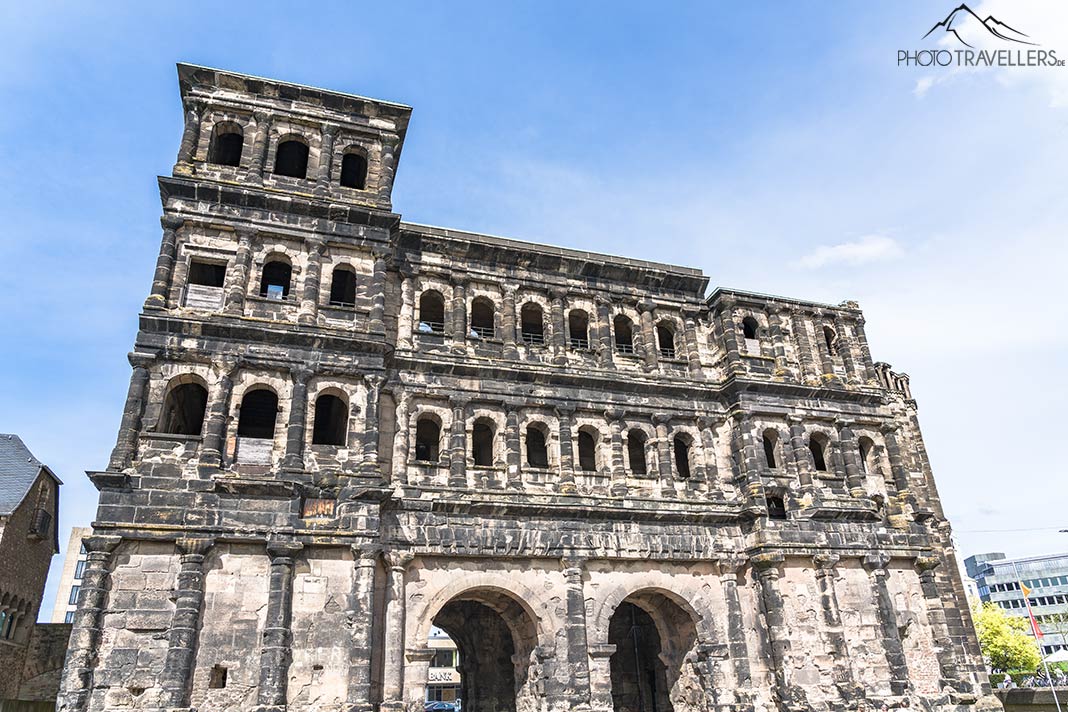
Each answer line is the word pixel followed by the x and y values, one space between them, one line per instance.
pixel 969 29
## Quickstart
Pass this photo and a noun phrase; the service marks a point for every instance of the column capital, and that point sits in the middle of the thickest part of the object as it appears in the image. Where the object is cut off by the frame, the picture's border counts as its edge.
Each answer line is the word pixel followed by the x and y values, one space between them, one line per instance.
pixel 398 560
pixel 245 234
pixel 364 553
pixel 925 564
pixel 767 565
pixel 171 222
pixel 331 130
pixel 613 414
pixel 564 410
pixel 842 422
pixel 731 563
pixel 558 292
pixel 302 374
pixel 572 565
pixel 227 365
pixel 661 418
pixel 315 245
pixel 193 546
pixel 889 428
pixel 261 116
pixel 691 313
pixel 795 419
pixel 279 551
pixel 876 563
pixel 646 305
pixel 139 359
pixel 826 562
pixel 456 402
pixel 101 543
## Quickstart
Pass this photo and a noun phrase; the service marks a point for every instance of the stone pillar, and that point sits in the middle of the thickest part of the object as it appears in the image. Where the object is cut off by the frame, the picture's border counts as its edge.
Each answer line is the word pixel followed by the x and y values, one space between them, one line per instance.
pixel 845 350
pixel 805 361
pixel 776 316
pixel 809 494
pixel 730 567
pixel 936 618
pixel 130 427
pixel 260 144
pixel 842 672
pixel 387 169
pixel 604 332
pixel 459 309
pixel 276 653
pixel 826 357
pixel 216 419
pixel 402 438
pixel 77 680
pixel 406 318
pixel 308 311
pixel 867 365
pixel 371 424
pixel 512 454
pixel 361 613
pixel 458 443
pixel 693 353
pixel 176 679
pixel 567 450
pixel 767 569
pixel 508 324
pixel 559 328
pixel 728 333
pixel 618 486
pixel 663 452
pixel 575 630
pixel 649 353
pixel 893 453
pixel 895 654
pixel 168 251
pixel 706 428
pixel 194 107
pixel 237 277
pixel 601 676
pixel 376 319
pixel 326 158
pixel 847 444
pixel 745 452
pixel 393 670
pixel 298 416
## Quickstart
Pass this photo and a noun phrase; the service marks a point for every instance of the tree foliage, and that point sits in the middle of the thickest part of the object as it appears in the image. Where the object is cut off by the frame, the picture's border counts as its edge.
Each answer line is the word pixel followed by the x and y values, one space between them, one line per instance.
pixel 1004 640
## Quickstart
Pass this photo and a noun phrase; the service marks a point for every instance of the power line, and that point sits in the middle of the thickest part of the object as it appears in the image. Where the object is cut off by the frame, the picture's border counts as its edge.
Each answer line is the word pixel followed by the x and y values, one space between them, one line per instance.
pixel 1003 531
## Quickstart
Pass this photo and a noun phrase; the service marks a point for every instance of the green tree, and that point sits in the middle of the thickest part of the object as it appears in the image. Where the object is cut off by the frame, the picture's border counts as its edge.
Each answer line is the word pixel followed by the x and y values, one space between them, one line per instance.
pixel 1004 640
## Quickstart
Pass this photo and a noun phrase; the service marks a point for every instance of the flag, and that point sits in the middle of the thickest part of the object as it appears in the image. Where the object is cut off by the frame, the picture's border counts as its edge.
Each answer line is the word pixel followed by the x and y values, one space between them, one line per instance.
pixel 1031 616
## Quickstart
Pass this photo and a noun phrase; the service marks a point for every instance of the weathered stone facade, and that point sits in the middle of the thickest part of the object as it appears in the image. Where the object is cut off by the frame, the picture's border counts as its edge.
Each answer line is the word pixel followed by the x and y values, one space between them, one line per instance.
pixel 612 491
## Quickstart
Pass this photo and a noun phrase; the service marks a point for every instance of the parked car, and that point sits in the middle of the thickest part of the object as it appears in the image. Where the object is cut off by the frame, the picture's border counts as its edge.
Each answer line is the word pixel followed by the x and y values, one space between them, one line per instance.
pixel 439 707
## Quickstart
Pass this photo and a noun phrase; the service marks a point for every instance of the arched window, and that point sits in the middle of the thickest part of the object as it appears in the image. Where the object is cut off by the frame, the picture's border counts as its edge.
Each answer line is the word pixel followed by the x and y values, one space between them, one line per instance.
pixel 771 445
pixel 578 327
pixel 431 312
pixel 537 452
pixel 681 446
pixel 868 463
pixel 331 421
pixel 226 144
pixel 624 334
pixel 636 451
pixel 343 286
pixel 274 283
pixel 817 445
pixel 665 337
pixel 830 338
pixel 291 159
pixel 482 443
pixel 354 171
pixel 587 447
pixel 482 318
pixel 259 411
pixel 532 324
pixel 749 327
pixel 183 409
pixel 427 439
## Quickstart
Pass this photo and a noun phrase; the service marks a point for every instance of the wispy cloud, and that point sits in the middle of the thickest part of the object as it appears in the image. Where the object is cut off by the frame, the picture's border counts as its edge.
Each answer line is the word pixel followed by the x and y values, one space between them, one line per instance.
pixel 870 248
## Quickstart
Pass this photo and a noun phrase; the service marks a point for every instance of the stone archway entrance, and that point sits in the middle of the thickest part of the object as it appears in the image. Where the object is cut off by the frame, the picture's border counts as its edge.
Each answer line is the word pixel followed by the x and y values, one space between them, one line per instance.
pixel 653 668
pixel 495 638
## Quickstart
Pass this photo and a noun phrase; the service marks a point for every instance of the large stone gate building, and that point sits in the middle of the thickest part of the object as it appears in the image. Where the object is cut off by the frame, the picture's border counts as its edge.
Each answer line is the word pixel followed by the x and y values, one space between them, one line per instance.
pixel 612 491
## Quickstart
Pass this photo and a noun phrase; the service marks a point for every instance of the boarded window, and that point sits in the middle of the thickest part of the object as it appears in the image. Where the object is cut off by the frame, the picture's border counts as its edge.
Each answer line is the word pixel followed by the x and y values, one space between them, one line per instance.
pixel 183 409
pixel 291 159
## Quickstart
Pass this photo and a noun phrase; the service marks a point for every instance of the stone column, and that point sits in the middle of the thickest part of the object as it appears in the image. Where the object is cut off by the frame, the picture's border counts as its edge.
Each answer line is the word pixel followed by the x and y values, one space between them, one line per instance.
pixel 508 323
pixel 298 416
pixel 326 158
pixel 847 444
pixel 276 653
pixel 402 438
pixel 393 670
pixel 130 427
pixel 387 168
pixel 406 318
pixel 618 486
pixel 176 679
pixel 168 251
pixel 767 569
pixel 237 277
pixel 663 452
pixel 308 311
pixel 845 350
pixel 805 361
pixel 194 107
pixel 809 494
pixel 575 630
pixel 559 328
pixel 371 424
pixel 897 463
pixel 826 357
pixel 728 333
pixel 604 331
pixel 512 454
pixel 376 319
pixel 649 353
pixel 361 613
pixel 77 680
pixel 868 366
pixel 567 450
pixel 260 144
pixel 693 353
pixel 776 316
pixel 745 452
pixel 706 428
pixel 730 567
pixel 842 672
pixel 459 310
pixel 458 443
pixel 936 618
pixel 895 654
pixel 215 421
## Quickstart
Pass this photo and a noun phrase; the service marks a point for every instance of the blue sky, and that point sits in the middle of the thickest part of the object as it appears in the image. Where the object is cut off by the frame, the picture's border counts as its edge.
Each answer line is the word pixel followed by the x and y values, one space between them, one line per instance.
pixel 776 146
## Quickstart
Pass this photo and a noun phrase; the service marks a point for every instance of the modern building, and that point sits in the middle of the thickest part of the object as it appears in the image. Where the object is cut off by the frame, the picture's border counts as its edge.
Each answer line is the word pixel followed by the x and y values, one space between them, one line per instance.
pixel 31 655
pixel 998 580
pixel 70 579
pixel 443 677
pixel 611 488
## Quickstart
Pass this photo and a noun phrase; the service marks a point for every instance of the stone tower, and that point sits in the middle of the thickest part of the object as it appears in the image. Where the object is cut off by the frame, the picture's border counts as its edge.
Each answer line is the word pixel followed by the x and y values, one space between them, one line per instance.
pixel 612 492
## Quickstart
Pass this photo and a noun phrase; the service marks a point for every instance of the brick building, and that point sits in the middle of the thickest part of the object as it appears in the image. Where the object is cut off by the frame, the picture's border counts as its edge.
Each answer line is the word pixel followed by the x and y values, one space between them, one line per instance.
pixel 611 490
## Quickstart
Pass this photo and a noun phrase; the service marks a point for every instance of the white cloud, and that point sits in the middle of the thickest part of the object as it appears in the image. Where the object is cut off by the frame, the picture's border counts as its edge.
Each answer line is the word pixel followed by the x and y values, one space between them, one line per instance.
pixel 870 248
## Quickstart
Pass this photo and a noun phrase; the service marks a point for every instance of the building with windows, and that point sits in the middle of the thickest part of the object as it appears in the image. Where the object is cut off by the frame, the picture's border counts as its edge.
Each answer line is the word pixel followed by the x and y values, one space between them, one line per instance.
pixel 443 676
pixel 70 579
pixel 998 580
pixel 609 487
